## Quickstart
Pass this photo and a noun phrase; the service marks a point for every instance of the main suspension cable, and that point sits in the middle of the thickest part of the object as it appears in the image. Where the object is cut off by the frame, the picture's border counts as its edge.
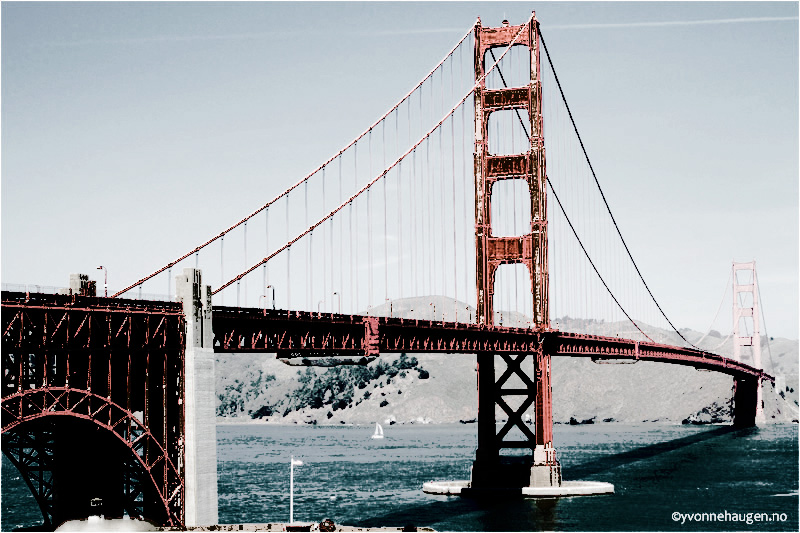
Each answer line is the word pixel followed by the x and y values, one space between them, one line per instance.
pixel 602 195
pixel 366 187
pixel 305 179
pixel 574 231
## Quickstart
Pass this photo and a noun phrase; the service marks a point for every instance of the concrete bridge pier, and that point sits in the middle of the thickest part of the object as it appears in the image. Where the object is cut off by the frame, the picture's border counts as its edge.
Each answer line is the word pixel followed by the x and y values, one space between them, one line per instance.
pixel 200 444
pixel 533 475
pixel 540 468
pixel 747 402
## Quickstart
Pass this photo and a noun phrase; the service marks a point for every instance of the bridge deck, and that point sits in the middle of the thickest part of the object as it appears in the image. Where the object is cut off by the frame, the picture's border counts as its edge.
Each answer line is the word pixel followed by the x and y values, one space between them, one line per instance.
pixel 305 335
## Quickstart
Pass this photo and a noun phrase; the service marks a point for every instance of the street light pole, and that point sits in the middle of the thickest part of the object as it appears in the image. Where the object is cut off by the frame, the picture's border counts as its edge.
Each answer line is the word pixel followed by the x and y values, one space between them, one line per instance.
pixel 273 295
pixel 105 280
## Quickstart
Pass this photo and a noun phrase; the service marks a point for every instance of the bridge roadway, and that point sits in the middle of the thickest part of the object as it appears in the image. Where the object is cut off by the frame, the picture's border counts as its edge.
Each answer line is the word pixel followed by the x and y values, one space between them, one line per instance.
pixel 305 336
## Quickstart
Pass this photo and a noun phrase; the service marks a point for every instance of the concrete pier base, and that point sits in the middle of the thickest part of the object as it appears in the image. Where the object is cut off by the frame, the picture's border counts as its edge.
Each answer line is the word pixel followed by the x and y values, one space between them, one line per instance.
pixel 545 475
pixel 532 476
pixel 516 472
pixel 565 489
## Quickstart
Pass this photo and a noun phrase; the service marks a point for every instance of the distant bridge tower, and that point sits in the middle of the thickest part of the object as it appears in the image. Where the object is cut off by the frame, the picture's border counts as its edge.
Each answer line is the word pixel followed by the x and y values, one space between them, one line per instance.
pixel 491 469
pixel 747 326
pixel 745 306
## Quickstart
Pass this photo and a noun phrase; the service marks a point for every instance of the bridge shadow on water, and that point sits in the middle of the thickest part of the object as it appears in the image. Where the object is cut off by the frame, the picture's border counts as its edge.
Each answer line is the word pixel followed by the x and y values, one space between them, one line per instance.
pixel 470 514
pixel 508 509
pixel 609 462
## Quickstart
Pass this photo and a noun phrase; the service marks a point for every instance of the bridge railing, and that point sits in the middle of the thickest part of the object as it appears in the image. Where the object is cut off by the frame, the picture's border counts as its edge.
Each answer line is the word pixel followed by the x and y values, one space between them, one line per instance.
pixel 43 289
pixel 50 289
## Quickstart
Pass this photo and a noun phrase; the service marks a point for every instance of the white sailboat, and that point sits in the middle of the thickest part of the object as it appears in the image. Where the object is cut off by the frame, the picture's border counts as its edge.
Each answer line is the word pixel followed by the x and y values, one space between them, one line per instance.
pixel 378 432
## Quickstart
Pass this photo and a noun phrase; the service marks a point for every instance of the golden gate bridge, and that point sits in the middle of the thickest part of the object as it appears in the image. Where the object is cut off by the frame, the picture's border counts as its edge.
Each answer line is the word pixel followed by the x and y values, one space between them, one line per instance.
pixel 475 186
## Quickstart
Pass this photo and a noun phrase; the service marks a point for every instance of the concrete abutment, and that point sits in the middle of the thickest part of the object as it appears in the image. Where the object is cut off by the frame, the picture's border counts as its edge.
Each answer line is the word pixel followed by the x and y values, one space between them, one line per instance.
pixel 200 441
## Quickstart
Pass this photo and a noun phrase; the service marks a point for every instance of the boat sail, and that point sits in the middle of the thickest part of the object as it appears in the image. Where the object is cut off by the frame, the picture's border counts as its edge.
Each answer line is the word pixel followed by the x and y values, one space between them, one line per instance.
pixel 378 432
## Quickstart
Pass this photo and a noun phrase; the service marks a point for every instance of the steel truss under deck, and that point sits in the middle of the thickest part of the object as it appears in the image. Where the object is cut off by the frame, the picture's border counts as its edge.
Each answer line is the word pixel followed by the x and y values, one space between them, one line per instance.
pixel 92 404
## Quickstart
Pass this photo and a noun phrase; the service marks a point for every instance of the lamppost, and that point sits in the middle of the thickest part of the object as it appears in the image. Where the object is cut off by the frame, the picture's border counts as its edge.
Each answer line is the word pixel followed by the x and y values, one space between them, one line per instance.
pixel 105 281
pixel 339 296
pixel 273 295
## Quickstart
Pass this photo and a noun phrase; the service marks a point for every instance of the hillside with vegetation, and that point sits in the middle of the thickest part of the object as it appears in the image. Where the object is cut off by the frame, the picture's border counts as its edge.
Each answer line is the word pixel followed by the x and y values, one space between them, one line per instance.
pixel 436 388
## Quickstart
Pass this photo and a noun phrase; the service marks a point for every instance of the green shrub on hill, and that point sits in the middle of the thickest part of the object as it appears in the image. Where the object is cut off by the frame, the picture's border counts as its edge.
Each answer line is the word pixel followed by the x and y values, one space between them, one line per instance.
pixel 334 387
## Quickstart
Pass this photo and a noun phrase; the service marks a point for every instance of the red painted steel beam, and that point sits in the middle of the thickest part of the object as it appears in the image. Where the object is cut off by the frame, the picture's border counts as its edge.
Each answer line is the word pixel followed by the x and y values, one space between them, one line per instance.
pixel 329 334
pixel 579 345
pixel 30 405
pixel 103 360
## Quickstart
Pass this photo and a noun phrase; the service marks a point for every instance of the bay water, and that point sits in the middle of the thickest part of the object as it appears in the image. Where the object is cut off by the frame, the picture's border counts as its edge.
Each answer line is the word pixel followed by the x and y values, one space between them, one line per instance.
pixel 666 478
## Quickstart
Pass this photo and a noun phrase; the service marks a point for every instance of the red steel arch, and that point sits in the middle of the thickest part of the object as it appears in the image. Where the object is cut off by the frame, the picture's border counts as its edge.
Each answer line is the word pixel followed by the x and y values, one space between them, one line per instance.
pixel 118 364
pixel 30 405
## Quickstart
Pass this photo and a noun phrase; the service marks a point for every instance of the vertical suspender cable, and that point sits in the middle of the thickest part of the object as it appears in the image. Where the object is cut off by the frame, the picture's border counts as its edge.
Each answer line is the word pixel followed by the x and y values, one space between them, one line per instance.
pixel 369 251
pixel 354 287
pixel 400 243
pixel 441 211
pixel 764 322
pixel 288 260
pixel 430 233
pixel 464 186
pixel 245 264
pixel 423 209
pixel 353 292
pixel 453 174
pixel 385 246
pixel 324 245
pixel 441 188
pixel 412 245
pixel 266 246
pixel 514 199
pixel 415 267
pixel 341 236
pixel 309 302
pixel 586 273
pixel 288 285
pixel 431 178
pixel 369 231
pixel 400 182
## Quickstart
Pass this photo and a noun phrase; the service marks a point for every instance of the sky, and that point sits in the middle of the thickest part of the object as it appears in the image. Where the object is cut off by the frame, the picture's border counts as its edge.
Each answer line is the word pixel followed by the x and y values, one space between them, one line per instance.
pixel 133 131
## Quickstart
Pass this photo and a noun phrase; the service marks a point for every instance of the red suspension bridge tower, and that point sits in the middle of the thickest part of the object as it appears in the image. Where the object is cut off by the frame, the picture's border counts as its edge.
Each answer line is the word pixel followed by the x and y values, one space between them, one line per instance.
pixel 491 468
